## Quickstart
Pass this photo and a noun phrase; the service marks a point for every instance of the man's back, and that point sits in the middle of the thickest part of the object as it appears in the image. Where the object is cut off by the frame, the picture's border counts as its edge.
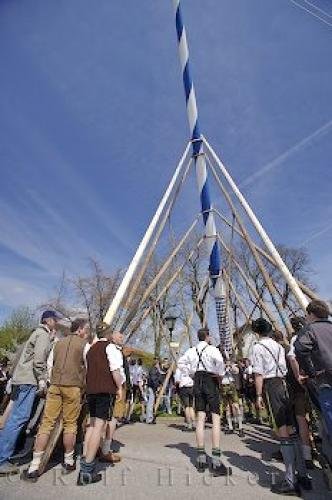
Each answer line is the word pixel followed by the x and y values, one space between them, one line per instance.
pixel 68 362
pixel 269 358
pixel 318 338
pixel 99 378
pixel 202 357
pixel 31 366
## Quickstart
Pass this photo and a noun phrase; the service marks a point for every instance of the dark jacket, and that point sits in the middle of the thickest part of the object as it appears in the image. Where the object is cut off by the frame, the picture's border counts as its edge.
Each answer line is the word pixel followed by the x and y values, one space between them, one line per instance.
pixel 313 349
pixel 155 378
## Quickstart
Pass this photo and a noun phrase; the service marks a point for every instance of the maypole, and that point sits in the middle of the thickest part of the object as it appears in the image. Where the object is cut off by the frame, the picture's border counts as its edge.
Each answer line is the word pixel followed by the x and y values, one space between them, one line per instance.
pixel 202 180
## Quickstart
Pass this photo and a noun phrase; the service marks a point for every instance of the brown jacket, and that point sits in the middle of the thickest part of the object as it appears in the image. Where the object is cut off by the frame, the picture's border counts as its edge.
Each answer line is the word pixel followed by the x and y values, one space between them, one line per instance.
pixel 68 362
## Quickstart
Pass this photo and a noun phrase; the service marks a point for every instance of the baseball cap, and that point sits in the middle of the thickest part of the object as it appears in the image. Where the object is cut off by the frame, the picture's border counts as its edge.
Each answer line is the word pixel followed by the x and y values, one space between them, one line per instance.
pixel 50 314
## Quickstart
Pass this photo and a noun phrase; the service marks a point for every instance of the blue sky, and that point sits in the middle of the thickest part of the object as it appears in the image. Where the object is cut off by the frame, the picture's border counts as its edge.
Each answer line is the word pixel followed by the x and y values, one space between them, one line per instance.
pixel 93 121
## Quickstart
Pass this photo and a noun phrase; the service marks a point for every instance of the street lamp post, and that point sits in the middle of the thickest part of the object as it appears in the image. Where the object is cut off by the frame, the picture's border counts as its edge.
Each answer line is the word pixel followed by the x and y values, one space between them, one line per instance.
pixel 170 322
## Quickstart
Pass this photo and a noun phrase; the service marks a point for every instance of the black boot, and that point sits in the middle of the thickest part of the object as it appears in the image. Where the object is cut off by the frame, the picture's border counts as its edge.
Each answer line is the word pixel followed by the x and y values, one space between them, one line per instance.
pixel 85 478
pixel 219 469
pixel 285 488
pixel 31 477
pixel 87 474
pixel 201 462
pixel 305 482
pixel 67 468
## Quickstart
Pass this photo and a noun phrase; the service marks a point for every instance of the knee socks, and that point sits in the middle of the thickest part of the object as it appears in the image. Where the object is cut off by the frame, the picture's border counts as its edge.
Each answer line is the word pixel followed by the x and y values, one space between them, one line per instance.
pixel 216 454
pixel 288 454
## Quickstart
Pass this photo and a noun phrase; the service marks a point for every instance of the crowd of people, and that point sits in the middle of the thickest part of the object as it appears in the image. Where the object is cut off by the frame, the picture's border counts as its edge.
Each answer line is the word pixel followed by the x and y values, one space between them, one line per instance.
pixel 287 382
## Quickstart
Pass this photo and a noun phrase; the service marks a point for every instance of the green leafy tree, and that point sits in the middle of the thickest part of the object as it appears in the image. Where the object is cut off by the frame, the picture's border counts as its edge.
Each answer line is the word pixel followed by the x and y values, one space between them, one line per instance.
pixel 16 329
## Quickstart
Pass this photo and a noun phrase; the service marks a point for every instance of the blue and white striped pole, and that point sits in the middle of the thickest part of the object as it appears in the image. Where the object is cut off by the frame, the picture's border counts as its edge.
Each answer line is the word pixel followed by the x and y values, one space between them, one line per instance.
pixel 202 180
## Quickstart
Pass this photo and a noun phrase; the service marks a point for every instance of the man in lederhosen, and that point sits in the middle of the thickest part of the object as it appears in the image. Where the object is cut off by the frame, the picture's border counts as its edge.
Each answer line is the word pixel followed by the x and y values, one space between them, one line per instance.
pixel 205 363
pixel 230 398
pixel 185 386
pixel 269 367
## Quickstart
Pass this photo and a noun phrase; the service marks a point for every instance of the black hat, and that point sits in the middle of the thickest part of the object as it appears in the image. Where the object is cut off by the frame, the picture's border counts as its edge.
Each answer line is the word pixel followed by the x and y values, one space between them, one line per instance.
pixel 261 326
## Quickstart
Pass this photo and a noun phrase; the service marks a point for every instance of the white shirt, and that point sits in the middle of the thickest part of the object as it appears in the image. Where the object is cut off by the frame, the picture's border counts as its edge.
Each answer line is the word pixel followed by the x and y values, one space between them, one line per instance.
pixel 211 360
pixel 114 356
pixel 183 379
pixel 50 359
pixel 269 364
pixel 137 374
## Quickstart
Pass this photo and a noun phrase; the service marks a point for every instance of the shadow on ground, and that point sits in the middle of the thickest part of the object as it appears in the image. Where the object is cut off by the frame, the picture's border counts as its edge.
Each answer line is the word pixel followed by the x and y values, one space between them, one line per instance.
pixel 186 449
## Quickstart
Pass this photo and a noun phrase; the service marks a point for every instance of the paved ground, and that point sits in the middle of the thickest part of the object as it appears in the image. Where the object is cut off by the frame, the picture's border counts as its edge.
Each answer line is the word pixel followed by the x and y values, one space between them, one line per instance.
pixel 158 464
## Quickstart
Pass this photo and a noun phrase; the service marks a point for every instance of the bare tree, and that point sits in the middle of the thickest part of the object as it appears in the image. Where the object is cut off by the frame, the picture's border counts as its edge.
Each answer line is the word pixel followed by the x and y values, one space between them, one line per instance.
pixel 95 292
pixel 297 261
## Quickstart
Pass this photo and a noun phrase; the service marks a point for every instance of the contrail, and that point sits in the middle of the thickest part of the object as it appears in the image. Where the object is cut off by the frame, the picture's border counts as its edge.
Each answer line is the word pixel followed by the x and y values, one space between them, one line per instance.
pixel 310 12
pixel 294 149
pixel 317 8
pixel 317 234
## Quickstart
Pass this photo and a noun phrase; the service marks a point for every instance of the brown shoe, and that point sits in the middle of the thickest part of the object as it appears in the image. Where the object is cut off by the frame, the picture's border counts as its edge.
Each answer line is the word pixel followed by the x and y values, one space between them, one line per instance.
pixel 110 457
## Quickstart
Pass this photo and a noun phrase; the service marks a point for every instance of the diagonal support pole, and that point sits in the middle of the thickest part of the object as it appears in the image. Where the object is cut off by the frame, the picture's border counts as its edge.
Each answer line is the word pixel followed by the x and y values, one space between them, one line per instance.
pixel 119 296
pixel 305 289
pixel 250 286
pixel 298 294
pixel 268 281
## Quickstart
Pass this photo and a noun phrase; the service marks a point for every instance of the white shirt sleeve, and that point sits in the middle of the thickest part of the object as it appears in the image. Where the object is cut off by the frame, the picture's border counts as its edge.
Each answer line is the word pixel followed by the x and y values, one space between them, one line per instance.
pixel 85 352
pixel 219 362
pixel 177 375
pixel 114 356
pixel 291 352
pixel 49 363
pixel 184 362
pixel 282 362
pixel 257 360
